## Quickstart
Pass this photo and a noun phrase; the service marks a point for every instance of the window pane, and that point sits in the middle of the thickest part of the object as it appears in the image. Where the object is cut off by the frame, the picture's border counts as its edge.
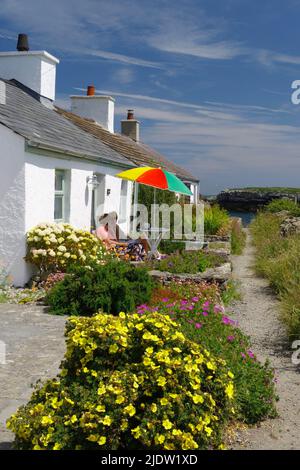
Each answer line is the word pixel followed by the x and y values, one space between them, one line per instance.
pixel 59 180
pixel 58 208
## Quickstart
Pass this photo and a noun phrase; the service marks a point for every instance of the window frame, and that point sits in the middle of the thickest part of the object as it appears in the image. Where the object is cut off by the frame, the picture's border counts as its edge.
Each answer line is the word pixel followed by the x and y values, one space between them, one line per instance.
pixel 61 194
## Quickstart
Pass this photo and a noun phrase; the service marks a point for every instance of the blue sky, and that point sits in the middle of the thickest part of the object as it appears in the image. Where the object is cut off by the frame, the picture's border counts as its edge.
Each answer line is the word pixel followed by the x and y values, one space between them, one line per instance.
pixel 210 80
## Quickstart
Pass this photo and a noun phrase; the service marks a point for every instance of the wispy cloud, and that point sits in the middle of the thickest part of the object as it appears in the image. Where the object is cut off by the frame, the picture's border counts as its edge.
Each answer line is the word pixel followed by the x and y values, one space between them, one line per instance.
pixel 123 59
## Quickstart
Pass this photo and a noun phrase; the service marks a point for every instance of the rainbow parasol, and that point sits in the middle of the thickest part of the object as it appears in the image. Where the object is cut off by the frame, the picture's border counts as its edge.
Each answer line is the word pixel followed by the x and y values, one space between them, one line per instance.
pixel 156 178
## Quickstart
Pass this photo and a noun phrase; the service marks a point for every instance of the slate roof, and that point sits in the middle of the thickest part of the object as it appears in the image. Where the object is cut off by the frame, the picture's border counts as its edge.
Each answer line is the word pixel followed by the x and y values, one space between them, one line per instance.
pixel 24 114
pixel 139 153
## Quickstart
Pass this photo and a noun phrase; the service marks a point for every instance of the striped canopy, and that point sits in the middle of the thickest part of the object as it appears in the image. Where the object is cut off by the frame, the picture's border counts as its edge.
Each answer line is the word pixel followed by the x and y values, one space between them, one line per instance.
pixel 156 178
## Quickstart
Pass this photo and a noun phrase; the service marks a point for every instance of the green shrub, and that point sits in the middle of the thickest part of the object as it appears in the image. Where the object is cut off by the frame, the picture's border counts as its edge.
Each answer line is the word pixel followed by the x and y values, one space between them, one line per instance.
pixel 113 287
pixel 129 382
pixel 278 259
pixel 55 247
pixel 216 220
pixel 204 322
pixel 191 262
pixel 278 205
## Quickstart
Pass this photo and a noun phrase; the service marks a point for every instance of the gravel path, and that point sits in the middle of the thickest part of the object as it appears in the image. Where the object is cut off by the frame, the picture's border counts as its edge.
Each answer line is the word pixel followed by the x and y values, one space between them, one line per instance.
pixel 34 349
pixel 257 315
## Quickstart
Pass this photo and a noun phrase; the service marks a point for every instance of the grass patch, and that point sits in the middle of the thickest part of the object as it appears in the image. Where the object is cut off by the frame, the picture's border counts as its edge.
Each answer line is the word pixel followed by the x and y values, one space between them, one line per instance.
pixel 216 221
pixel 238 238
pixel 230 293
pixel 3 298
pixel 278 259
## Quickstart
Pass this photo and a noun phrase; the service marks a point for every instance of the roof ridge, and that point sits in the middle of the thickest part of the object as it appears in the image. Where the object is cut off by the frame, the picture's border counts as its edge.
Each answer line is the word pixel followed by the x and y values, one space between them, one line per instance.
pixel 138 152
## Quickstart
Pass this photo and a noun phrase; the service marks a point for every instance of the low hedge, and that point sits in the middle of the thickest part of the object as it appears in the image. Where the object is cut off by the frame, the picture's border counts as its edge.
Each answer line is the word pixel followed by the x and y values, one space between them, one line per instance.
pixel 113 287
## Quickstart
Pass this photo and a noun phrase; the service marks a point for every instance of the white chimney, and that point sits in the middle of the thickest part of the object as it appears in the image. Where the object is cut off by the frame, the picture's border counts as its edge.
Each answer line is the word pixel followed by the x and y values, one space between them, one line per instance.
pixel 97 107
pixel 34 69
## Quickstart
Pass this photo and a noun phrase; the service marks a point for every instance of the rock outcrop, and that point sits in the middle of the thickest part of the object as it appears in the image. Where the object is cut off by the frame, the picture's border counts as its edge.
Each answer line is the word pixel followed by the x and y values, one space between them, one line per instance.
pixel 290 226
pixel 244 200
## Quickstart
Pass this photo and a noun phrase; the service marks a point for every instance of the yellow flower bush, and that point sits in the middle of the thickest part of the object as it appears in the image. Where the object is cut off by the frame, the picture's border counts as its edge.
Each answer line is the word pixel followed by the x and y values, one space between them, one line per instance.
pixel 53 247
pixel 128 382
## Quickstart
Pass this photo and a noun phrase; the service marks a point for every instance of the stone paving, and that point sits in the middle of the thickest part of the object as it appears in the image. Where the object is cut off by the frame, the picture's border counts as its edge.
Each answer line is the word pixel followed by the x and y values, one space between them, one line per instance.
pixel 34 349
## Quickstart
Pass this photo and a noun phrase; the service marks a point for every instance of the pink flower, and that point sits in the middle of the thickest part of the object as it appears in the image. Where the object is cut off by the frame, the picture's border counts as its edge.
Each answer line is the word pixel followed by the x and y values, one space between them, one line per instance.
pixel 190 307
pixel 184 302
pixel 206 304
pixel 204 314
pixel 171 305
pixel 218 309
pixel 227 320
pixel 243 355
pixel 230 338
pixel 165 299
pixel 198 325
pixel 195 299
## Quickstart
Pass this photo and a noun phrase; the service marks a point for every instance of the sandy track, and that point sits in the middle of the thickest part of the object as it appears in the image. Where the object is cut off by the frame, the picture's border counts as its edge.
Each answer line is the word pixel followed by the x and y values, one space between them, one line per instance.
pixel 257 314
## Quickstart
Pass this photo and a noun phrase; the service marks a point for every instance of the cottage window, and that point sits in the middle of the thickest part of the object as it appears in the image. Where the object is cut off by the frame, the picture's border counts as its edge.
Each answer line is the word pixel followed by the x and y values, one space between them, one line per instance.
pixel 60 196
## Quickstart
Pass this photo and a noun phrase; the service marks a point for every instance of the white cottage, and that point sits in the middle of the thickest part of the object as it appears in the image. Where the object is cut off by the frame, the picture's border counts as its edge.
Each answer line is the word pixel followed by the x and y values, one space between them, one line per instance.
pixel 58 165
pixel 47 163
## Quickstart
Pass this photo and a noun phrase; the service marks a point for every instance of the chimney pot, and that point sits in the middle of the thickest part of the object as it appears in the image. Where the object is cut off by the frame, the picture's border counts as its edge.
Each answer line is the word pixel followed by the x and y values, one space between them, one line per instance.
pixel 91 90
pixel 23 44
pixel 130 114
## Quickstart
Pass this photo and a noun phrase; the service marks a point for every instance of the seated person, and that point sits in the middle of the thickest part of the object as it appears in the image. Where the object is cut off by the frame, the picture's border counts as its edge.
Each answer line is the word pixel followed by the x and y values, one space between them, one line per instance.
pixel 109 232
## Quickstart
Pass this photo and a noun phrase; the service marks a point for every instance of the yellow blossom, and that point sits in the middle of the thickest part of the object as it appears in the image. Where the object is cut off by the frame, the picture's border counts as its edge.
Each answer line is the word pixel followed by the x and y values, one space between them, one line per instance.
pixel 167 424
pixel 153 408
pixel 47 420
pixel 107 420
pixel 130 410
pixel 161 381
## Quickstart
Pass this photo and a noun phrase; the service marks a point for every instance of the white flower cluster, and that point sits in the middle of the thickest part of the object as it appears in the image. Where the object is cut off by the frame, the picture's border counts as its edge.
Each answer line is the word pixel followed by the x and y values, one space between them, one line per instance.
pixel 53 247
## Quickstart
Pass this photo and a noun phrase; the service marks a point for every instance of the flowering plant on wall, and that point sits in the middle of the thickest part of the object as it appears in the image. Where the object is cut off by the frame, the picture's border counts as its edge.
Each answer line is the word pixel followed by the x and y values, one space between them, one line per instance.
pixel 54 247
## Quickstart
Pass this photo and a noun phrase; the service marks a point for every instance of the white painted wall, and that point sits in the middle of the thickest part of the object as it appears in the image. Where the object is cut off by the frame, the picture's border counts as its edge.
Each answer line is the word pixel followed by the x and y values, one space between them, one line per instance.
pixel 99 108
pixel 35 69
pixel 27 197
pixel 12 206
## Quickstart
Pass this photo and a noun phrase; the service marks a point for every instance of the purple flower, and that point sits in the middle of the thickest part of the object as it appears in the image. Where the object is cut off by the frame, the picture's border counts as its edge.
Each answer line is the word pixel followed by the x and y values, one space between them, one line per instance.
pixel 204 314
pixel 183 308
pixel 143 306
pixel 198 325
pixel 195 299
pixel 250 354
pixel 206 304
pixel 165 299
pixel 184 302
pixel 243 355
pixel 230 338
pixel 190 307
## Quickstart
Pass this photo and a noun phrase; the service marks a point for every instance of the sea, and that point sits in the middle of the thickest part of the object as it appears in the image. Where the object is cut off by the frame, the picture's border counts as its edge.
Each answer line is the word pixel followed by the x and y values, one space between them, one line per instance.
pixel 246 217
